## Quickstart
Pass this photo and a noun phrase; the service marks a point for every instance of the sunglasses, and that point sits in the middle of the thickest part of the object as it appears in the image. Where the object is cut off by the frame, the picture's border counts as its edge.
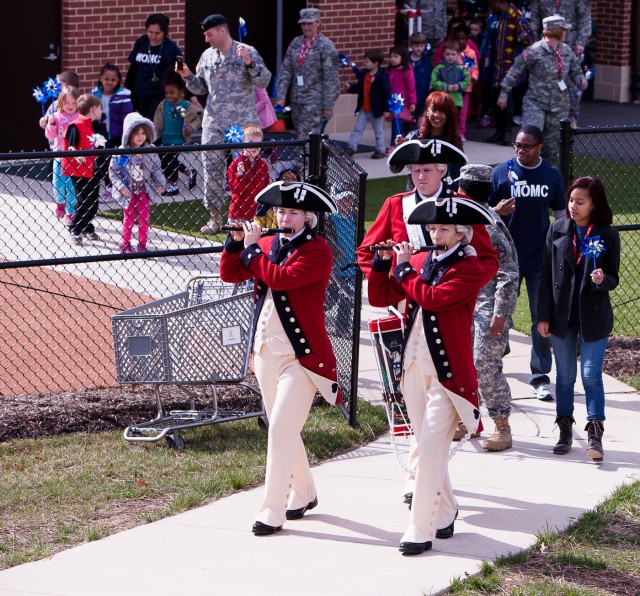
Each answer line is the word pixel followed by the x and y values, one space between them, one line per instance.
pixel 520 146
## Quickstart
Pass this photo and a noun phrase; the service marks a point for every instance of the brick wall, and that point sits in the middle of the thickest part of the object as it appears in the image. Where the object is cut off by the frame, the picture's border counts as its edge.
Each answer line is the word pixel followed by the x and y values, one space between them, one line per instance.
pixel 614 19
pixel 99 31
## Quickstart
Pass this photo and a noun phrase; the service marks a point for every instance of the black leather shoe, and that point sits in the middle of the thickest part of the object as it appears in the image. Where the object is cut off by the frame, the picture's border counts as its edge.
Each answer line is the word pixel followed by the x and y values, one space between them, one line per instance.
pixel 408 497
pixel 260 529
pixel 193 179
pixel 447 532
pixel 414 548
pixel 299 513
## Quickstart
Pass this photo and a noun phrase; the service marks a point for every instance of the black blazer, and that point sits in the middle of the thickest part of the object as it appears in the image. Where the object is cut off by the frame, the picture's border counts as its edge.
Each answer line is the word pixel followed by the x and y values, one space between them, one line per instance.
pixel 380 92
pixel 557 282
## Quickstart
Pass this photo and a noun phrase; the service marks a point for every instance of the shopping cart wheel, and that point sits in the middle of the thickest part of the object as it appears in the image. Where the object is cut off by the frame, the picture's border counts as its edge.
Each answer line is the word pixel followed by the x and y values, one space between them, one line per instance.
pixel 174 441
pixel 263 422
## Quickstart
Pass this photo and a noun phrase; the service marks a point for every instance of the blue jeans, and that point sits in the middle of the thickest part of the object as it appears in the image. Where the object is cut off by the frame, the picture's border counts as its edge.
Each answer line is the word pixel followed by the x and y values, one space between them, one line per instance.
pixel 540 346
pixel 361 122
pixel 63 188
pixel 591 359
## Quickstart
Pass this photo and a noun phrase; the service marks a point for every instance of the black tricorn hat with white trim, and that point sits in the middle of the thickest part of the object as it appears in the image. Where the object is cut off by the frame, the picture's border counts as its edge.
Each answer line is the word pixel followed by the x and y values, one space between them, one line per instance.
pixel 424 151
pixel 296 195
pixel 452 210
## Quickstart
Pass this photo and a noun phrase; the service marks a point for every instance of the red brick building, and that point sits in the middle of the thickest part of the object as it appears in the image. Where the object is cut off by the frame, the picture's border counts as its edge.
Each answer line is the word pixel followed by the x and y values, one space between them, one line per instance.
pixel 82 35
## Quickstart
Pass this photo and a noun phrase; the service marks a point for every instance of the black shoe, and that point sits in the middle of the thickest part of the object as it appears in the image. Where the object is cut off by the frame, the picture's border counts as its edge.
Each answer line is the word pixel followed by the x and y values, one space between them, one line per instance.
pixel 171 191
pixel 349 151
pixel 299 513
pixel 378 155
pixel 193 179
pixel 447 532
pixel 260 529
pixel 414 548
pixel 408 497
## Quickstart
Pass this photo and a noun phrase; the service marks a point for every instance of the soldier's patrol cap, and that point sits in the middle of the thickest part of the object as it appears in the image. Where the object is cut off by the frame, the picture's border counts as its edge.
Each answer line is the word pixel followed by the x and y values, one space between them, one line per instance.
pixel 309 15
pixel 449 210
pixel 296 195
pixel 475 173
pixel 424 151
pixel 555 21
pixel 213 20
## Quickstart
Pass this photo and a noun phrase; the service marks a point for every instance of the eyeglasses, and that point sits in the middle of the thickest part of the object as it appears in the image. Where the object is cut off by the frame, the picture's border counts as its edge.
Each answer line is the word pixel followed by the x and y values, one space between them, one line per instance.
pixel 520 146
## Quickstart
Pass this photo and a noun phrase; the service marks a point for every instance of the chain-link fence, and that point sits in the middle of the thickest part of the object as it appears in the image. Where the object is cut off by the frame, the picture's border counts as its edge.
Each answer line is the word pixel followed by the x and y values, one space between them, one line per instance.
pixel 67 269
pixel 611 154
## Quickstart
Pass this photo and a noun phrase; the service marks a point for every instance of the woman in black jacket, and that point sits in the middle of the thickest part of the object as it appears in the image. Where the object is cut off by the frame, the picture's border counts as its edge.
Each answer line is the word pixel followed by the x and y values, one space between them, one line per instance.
pixel 579 269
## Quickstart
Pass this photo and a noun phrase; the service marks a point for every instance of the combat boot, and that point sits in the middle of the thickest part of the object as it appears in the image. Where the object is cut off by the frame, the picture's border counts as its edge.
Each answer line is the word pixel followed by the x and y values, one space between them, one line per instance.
pixel 563 446
pixel 594 429
pixel 501 438
pixel 214 223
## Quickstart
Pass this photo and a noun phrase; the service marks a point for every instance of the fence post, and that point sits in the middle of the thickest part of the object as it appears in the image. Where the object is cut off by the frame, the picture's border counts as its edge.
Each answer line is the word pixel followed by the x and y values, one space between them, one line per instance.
pixel 315 154
pixel 566 146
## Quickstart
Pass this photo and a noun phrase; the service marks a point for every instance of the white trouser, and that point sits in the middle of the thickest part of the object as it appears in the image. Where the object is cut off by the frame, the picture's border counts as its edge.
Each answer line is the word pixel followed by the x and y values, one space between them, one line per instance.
pixel 288 393
pixel 434 420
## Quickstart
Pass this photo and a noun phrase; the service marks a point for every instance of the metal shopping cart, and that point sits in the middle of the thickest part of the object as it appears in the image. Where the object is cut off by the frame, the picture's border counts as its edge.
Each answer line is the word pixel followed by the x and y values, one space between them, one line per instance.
pixel 201 336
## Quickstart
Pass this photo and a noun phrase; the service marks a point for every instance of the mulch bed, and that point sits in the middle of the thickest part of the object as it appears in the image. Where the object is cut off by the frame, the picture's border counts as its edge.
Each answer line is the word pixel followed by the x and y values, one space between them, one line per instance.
pixel 116 408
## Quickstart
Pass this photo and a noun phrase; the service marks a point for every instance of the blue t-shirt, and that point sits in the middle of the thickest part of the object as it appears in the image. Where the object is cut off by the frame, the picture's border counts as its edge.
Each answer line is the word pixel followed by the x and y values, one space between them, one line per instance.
pixel 536 190
pixel 174 122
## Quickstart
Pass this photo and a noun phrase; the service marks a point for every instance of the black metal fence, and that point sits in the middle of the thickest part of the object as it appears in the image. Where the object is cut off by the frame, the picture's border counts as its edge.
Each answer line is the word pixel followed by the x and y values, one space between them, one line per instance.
pixel 611 154
pixel 58 292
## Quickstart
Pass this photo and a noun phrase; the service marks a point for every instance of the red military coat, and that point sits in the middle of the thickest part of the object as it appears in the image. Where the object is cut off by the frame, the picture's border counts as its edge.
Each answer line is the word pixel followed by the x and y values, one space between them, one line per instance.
pixel 447 292
pixel 390 225
pixel 298 275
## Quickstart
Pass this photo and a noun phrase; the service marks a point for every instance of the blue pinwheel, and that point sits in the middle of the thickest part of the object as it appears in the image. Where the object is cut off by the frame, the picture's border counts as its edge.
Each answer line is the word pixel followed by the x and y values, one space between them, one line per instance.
pixel 344 63
pixel 41 96
pixel 396 105
pixel 592 247
pixel 233 134
pixel 52 87
pixel 242 29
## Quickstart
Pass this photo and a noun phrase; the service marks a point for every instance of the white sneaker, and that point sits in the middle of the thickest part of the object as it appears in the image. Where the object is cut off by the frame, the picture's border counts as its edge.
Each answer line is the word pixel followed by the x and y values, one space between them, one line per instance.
pixel 543 392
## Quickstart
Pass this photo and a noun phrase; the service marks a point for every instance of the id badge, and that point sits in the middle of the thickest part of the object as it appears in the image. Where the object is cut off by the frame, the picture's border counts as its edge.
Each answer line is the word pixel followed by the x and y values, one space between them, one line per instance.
pixel 562 85
pixel 300 80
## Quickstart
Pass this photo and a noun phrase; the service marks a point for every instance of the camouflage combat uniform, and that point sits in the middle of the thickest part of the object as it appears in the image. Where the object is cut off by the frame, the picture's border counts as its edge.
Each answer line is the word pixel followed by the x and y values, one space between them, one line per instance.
pixel 320 83
pixel 497 298
pixel 229 83
pixel 545 103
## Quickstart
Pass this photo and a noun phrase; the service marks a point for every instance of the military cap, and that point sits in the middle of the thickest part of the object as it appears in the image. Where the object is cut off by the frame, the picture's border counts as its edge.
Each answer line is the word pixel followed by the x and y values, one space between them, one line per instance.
pixel 213 20
pixel 450 210
pixel 424 151
pixel 296 195
pixel 475 173
pixel 309 15
pixel 555 21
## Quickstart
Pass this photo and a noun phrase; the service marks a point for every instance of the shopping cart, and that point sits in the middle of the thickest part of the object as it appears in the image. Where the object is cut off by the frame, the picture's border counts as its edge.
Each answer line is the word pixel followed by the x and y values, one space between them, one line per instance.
pixel 201 336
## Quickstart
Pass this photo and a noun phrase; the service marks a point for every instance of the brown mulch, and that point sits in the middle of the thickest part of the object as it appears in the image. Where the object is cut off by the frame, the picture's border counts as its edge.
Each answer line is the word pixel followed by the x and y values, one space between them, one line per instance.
pixel 116 408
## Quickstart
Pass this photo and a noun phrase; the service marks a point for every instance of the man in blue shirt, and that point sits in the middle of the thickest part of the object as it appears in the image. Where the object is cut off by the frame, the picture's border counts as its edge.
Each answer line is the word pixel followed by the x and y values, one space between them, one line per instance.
pixel 524 189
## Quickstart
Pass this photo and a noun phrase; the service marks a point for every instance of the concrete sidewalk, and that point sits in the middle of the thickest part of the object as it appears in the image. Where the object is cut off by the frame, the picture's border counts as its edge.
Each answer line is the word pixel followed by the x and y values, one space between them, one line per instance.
pixel 349 543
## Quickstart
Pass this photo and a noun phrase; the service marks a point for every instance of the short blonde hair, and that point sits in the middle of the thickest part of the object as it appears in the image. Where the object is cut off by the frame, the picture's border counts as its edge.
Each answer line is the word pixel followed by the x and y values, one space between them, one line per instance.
pixel 253 130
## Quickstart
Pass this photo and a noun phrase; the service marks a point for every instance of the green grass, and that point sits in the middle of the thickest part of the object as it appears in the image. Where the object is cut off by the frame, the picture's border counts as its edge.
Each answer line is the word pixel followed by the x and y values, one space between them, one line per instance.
pixel 599 554
pixel 57 492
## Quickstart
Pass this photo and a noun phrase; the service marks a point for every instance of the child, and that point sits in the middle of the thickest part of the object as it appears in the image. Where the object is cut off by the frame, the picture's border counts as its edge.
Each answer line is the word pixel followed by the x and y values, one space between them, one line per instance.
pixel 402 81
pixel 55 131
pixel 137 180
pixel 469 60
pixel 176 119
pixel 116 102
pixel 579 269
pixel 476 34
pixel 439 381
pixel 374 93
pixel 420 57
pixel 248 174
pixel 67 79
pixel 449 76
pixel 285 171
pixel 83 134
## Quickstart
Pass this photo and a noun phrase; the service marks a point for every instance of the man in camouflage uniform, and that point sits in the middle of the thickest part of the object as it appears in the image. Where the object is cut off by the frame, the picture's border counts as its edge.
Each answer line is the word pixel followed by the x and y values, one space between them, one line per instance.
pixel 576 13
pixel 310 71
pixel 554 74
pixel 228 71
pixel 492 317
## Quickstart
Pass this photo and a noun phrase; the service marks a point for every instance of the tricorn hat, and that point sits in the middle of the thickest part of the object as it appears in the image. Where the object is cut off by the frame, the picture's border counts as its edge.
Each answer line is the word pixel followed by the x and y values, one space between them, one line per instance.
pixel 213 20
pixel 424 151
pixel 296 195
pixel 451 210
pixel 555 21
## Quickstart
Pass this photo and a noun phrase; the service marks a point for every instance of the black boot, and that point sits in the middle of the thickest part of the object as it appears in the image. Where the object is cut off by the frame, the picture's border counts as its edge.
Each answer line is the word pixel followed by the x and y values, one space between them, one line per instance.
pixel 563 446
pixel 594 429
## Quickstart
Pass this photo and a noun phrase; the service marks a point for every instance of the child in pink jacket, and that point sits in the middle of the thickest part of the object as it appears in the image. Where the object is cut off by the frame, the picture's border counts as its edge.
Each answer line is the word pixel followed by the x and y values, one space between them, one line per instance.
pixel 402 81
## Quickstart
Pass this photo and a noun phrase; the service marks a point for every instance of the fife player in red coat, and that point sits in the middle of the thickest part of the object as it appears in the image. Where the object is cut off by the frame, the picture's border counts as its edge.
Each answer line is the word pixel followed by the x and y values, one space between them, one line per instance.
pixel 292 353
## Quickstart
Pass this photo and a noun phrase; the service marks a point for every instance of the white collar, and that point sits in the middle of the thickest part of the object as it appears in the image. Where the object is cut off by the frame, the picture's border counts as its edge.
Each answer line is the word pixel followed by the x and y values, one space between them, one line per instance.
pixel 530 167
pixel 444 255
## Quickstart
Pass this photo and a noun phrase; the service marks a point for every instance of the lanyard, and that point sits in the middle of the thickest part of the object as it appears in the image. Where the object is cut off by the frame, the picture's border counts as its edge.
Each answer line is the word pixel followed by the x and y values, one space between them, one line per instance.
pixel 304 48
pixel 577 254
pixel 559 58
